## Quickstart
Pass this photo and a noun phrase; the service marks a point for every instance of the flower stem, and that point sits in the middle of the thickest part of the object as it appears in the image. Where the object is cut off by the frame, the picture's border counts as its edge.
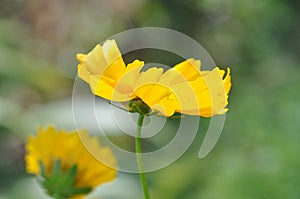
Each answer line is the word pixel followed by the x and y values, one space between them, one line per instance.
pixel 139 159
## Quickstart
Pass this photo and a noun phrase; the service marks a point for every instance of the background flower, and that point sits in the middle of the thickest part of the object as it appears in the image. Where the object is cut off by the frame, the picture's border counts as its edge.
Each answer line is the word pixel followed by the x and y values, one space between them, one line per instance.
pixel 52 146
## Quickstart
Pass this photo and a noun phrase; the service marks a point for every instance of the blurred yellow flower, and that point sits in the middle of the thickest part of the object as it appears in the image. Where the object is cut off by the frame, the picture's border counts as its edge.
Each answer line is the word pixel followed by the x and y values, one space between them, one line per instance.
pixel 53 148
pixel 184 88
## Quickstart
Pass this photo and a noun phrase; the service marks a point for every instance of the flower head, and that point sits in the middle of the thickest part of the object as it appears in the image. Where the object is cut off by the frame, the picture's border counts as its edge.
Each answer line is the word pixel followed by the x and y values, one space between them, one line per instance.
pixel 68 169
pixel 184 88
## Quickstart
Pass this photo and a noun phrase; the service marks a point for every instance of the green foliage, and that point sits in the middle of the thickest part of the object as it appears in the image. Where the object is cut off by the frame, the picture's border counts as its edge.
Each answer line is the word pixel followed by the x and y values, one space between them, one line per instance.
pixel 60 184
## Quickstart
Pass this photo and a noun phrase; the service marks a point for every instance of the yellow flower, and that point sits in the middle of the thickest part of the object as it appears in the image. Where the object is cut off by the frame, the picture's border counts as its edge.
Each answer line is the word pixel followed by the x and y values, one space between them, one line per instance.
pixel 53 148
pixel 184 88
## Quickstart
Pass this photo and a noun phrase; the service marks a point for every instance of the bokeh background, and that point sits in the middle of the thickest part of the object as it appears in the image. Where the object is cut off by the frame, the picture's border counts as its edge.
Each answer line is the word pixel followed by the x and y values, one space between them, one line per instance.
pixel 257 153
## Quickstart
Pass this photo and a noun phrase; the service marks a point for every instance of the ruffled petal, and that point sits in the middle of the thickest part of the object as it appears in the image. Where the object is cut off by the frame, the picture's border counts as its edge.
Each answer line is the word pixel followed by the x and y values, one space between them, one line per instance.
pixel 101 87
pixel 151 76
pixel 127 82
pixel 115 65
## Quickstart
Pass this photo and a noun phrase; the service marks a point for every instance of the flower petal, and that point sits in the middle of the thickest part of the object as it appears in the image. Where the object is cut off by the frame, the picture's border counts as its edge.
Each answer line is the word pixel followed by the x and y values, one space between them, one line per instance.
pixel 103 88
pixel 127 82
pixel 115 65
pixel 150 76
pixel 189 69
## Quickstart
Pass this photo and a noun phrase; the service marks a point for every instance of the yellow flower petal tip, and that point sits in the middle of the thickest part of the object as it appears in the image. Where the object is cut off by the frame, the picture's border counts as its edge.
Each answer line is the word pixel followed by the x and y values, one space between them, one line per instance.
pixel 185 88
pixel 52 145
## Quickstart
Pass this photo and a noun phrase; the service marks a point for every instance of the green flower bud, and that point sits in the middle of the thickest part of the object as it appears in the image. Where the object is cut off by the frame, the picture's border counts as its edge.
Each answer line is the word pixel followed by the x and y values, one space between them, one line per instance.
pixel 138 106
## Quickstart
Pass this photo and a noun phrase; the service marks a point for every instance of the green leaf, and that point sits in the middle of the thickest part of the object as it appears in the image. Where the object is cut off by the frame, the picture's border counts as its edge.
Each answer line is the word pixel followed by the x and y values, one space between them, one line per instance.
pixel 61 184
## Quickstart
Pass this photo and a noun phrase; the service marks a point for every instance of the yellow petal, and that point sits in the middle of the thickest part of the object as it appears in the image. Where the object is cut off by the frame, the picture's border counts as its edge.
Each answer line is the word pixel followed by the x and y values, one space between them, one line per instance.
pixel 166 106
pixel 159 98
pixel 83 73
pixel 103 60
pixel 95 61
pixel 127 82
pixel 204 96
pixel 152 93
pixel 115 67
pixel 136 64
pixel 186 97
pixel 101 87
pixel 189 69
pixel 227 81
pixel 150 76
pixel 213 99
pixel 81 57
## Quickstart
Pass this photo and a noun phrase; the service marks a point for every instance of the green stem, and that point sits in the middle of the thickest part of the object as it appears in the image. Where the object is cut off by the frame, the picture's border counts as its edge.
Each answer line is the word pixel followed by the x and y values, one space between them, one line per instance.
pixel 139 159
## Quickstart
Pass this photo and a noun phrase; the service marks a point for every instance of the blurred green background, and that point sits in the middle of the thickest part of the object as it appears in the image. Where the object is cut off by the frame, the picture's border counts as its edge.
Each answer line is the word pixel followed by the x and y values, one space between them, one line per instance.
pixel 256 155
